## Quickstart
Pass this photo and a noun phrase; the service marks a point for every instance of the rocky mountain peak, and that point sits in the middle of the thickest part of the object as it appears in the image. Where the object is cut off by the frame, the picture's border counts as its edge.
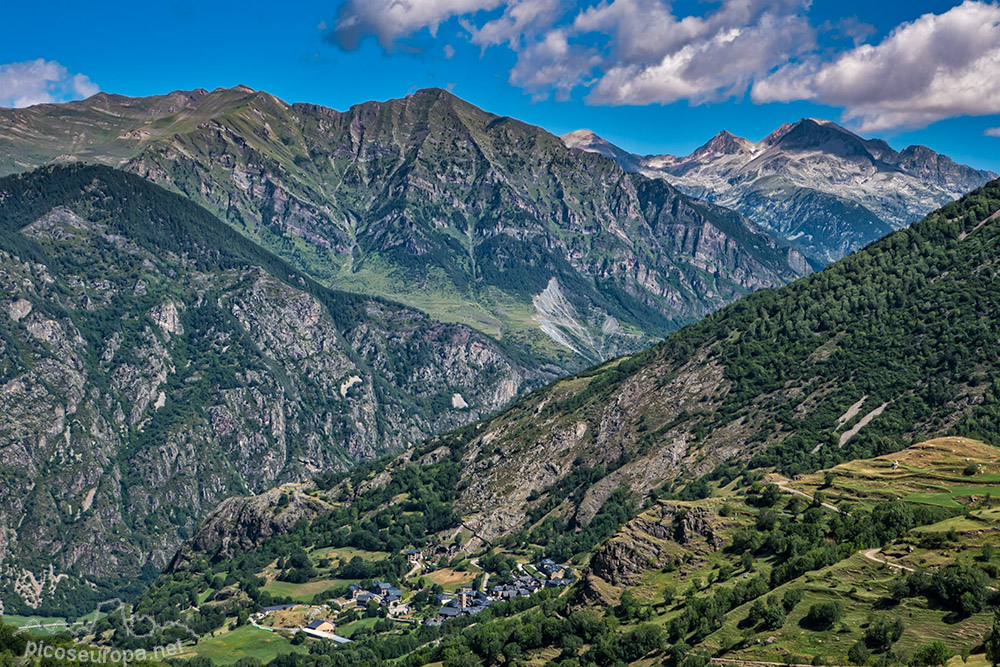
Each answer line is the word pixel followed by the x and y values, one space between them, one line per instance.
pixel 588 140
pixel 724 143
pixel 777 134
pixel 929 165
pixel 582 137
pixel 813 183
pixel 811 134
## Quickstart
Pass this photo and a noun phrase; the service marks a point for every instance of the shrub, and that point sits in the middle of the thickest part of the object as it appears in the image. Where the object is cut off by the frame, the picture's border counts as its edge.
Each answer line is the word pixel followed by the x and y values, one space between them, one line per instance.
pixel 935 653
pixel 823 615
pixel 791 598
pixel 883 632
pixel 858 654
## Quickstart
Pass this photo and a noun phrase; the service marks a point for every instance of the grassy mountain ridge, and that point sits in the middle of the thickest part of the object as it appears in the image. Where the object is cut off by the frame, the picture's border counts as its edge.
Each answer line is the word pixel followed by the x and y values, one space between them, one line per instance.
pixel 153 361
pixel 495 222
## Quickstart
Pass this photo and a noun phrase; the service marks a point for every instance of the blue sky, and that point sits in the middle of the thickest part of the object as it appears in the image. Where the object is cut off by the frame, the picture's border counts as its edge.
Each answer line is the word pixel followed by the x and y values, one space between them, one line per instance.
pixel 650 75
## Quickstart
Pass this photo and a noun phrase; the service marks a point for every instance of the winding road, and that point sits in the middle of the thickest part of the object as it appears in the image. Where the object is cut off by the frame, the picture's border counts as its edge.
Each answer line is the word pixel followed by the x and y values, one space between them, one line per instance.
pixel 788 489
pixel 870 555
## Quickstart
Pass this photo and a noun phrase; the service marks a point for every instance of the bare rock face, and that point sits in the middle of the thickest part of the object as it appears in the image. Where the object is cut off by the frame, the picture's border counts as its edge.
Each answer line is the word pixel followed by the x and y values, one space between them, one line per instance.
pixel 517 453
pixel 19 309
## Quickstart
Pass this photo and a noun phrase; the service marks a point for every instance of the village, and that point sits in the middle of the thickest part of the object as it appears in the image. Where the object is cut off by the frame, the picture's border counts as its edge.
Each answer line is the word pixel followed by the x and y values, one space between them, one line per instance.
pixel 383 601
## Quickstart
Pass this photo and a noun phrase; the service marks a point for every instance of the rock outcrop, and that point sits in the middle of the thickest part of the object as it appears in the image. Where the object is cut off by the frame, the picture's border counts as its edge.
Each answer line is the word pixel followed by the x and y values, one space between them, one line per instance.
pixel 666 533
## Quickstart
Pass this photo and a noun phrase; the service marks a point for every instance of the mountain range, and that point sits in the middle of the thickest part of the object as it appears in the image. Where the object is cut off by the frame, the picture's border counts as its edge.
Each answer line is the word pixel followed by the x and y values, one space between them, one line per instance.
pixel 812 183
pixel 214 293
pixel 434 203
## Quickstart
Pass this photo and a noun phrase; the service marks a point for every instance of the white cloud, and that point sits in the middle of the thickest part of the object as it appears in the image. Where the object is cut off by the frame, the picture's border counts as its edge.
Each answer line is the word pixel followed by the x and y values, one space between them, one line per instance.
pixel 645 52
pixel 389 20
pixel 639 52
pixel 706 60
pixel 938 66
pixel 520 21
pixel 41 81
pixel 552 63
pixel 992 132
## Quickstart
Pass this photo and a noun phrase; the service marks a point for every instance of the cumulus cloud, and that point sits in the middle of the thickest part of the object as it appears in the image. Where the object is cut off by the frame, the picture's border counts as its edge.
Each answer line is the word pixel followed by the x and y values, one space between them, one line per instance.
pixel 848 28
pixel 390 20
pixel 521 20
pixel 41 81
pixel 639 52
pixel 629 51
pixel 992 132
pixel 718 64
pixel 938 66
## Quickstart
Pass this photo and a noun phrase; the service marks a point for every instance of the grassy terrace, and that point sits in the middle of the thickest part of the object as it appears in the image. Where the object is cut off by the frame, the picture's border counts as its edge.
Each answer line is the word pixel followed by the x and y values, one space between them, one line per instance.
pixel 860 586
pixel 228 646
pixel 932 472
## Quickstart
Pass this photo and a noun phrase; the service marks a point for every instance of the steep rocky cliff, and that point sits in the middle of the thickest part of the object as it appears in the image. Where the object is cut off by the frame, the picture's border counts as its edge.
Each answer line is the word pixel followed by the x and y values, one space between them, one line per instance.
pixel 430 201
pixel 154 362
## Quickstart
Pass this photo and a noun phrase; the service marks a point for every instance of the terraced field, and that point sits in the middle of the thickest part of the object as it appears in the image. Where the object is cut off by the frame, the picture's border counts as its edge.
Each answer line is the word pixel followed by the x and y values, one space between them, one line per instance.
pixel 935 472
pixel 861 587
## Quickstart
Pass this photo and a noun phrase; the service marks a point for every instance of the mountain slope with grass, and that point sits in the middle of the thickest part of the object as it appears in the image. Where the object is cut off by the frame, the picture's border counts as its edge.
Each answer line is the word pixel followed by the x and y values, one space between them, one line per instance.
pixel 753 571
pixel 433 202
pixel 154 362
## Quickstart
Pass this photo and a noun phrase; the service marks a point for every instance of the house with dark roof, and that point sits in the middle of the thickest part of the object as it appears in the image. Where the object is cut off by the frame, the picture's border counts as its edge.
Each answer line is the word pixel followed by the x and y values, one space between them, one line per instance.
pixel 322 625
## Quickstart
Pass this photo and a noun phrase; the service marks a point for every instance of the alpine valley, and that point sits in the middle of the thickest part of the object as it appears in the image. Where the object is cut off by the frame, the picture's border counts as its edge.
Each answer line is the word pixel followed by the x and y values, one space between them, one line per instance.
pixel 414 384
